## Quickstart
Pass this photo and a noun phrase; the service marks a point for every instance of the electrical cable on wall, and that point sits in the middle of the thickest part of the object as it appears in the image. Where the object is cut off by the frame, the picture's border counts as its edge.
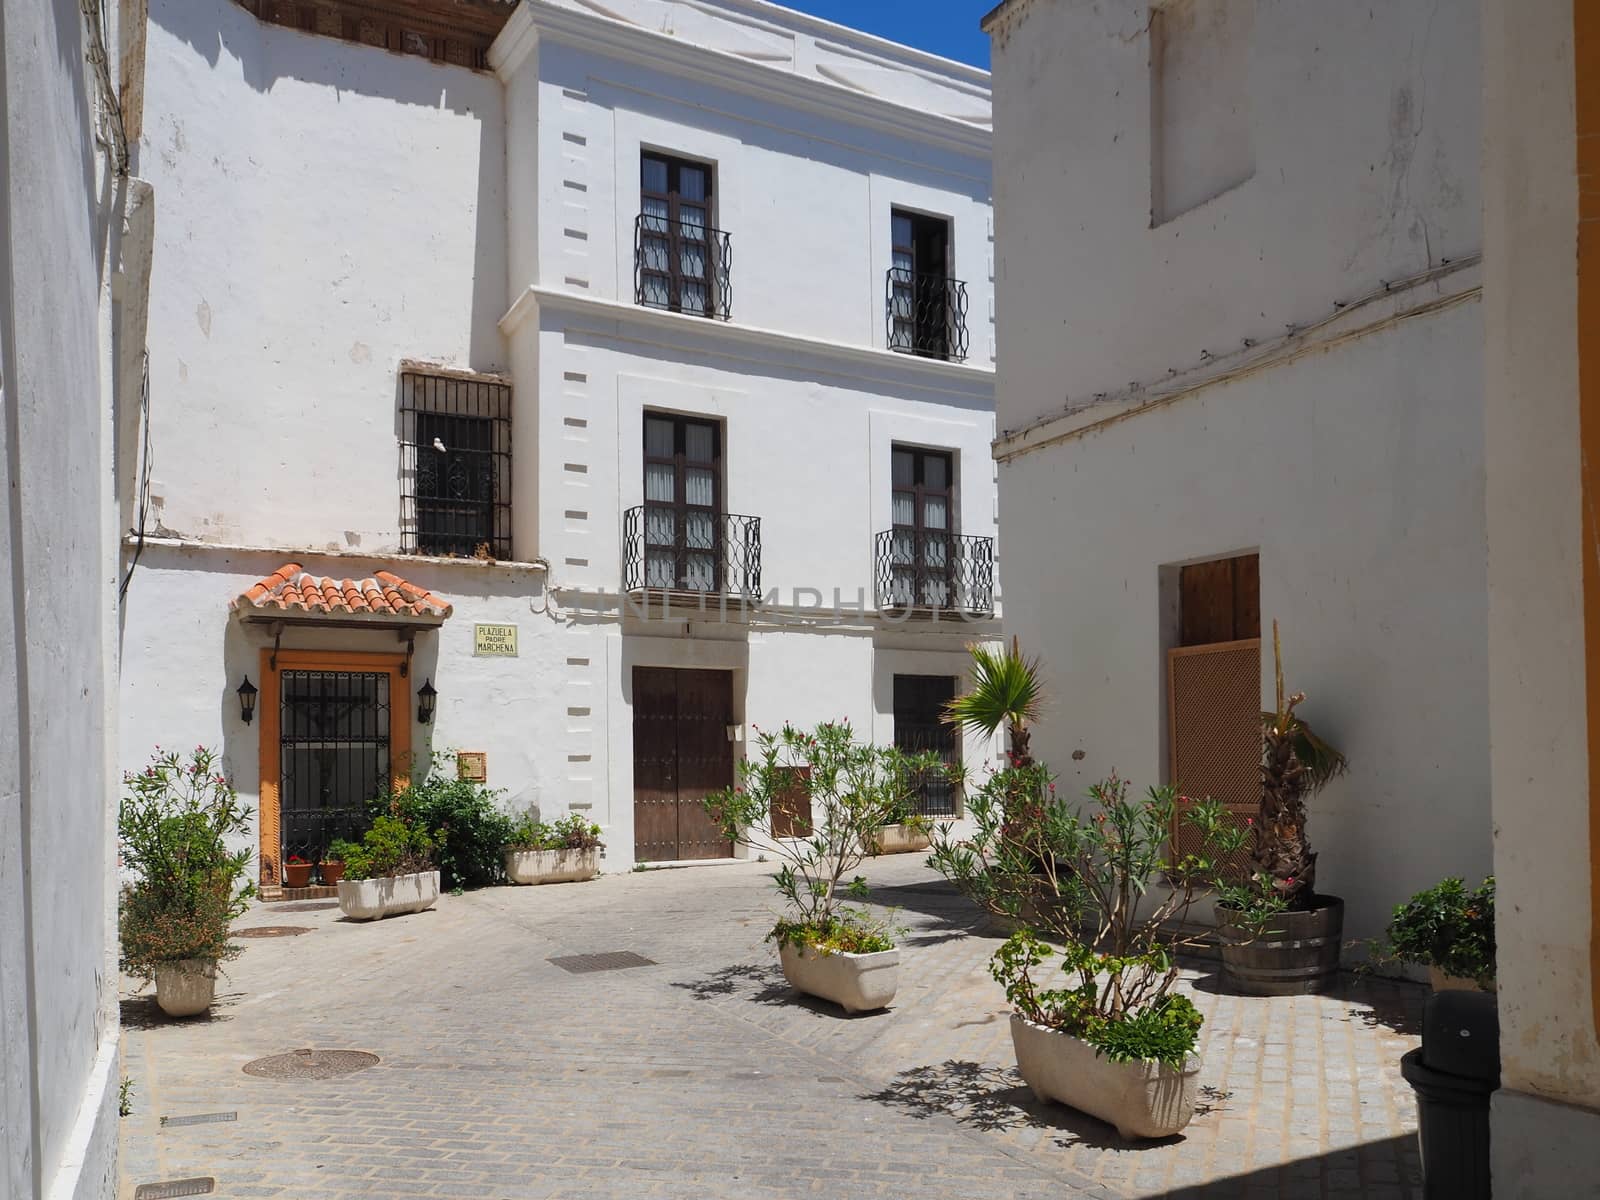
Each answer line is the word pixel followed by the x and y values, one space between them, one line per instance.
pixel 143 483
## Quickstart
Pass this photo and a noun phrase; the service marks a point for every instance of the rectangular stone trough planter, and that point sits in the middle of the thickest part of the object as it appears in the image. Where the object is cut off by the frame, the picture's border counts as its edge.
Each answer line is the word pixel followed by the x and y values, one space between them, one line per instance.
pixel 552 866
pixel 1142 1099
pixel 388 895
pixel 901 839
pixel 855 982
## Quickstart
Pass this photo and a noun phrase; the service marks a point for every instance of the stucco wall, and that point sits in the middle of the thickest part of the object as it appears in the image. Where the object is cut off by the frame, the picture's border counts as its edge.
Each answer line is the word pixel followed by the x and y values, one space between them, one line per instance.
pixel 1540 754
pixel 333 209
pixel 1364 128
pixel 1356 474
pixel 57 675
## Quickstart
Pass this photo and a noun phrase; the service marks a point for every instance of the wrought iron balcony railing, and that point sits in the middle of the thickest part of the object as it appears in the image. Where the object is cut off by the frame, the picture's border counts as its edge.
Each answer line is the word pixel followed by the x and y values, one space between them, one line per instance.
pixel 681 266
pixel 926 314
pixel 926 571
pixel 666 548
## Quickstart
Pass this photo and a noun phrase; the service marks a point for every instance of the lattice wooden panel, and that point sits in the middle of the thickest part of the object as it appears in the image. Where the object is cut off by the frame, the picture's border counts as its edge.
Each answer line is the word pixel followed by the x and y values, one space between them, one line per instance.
pixel 1214 694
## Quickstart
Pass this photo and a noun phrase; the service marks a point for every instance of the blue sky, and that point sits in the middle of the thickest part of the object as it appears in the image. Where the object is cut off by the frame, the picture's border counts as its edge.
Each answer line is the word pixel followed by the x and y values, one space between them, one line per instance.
pixel 947 27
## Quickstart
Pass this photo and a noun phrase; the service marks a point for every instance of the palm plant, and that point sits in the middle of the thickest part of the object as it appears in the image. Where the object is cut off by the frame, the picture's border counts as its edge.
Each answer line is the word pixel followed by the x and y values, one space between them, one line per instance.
pixel 1006 690
pixel 1296 764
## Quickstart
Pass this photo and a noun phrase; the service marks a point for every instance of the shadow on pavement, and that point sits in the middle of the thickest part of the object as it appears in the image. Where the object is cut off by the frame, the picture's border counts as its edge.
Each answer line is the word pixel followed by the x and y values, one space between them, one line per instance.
pixel 989 1098
pixel 1389 1168
pixel 765 985
pixel 142 1012
pixel 1393 1004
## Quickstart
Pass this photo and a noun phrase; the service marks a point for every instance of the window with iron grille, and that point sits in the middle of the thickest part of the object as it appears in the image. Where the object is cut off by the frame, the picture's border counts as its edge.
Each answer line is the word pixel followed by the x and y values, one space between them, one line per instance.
pixel 680 260
pixel 455 465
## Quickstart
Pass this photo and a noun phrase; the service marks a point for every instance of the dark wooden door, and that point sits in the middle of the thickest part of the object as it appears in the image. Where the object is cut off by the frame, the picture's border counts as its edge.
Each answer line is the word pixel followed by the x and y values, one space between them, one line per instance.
pixel 681 753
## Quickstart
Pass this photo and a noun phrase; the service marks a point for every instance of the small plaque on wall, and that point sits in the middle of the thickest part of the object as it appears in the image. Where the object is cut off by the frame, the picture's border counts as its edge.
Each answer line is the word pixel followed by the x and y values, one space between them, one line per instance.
pixel 494 641
pixel 472 765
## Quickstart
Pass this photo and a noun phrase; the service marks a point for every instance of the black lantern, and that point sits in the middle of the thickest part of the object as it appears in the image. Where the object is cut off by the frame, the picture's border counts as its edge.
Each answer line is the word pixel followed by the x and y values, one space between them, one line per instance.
pixel 426 695
pixel 247 700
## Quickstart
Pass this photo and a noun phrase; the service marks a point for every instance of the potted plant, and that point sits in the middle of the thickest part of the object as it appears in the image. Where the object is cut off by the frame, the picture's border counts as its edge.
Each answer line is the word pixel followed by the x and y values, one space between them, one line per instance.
pixel 567 851
pixel 826 947
pixel 389 872
pixel 904 832
pixel 297 872
pixel 1278 935
pixel 1449 930
pixel 174 824
pixel 331 867
pixel 465 819
pixel 1115 1039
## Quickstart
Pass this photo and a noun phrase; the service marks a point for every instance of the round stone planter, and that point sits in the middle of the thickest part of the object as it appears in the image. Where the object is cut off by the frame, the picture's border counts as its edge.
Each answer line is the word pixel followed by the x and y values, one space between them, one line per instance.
pixel 185 987
pixel 1440 982
pixel 388 895
pixel 1296 954
pixel 552 866
pixel 855 982
pixel 1142 1099
pixel 901 839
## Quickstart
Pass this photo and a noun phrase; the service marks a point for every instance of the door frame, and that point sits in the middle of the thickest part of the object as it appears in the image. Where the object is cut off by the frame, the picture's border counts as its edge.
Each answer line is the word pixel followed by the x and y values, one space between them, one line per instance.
pixel 270 870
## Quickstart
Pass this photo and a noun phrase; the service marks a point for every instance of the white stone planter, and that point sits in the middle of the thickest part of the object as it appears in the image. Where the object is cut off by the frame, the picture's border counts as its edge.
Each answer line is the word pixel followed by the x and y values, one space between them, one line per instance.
pixel 388 895
pixel 901 839
pixel 552 866
pixel 855 982
pixel 185 987
pixel 1142 1099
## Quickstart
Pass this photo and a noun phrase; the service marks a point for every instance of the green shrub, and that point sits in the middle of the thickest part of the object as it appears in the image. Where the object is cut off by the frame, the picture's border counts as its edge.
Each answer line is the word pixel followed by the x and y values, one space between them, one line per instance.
pixel 173 826
pixel 464 819
pixel 847 931
pixel 392 846
pixel 572 832
pixel 1446 927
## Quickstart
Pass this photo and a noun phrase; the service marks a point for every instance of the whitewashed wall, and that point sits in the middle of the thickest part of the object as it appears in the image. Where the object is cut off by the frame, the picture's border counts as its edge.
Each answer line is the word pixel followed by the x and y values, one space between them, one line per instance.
pixel 1350 460
pixel 334 209
pixel 60 239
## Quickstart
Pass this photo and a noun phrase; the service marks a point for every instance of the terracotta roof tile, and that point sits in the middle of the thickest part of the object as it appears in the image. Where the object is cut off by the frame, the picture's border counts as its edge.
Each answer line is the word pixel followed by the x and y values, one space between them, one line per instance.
pixel 384 594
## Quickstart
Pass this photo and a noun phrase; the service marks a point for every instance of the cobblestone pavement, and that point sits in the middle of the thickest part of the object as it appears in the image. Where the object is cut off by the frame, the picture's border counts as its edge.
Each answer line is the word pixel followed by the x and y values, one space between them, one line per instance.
pixel 504 1076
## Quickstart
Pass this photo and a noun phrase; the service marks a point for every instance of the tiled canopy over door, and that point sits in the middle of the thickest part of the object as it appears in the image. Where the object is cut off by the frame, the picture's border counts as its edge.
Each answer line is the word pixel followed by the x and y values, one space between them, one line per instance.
pixel 681 754
pixel 1214 690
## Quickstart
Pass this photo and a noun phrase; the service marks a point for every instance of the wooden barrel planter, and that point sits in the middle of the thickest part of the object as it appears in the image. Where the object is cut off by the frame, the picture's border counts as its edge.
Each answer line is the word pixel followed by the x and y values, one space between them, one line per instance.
pixel 1296 955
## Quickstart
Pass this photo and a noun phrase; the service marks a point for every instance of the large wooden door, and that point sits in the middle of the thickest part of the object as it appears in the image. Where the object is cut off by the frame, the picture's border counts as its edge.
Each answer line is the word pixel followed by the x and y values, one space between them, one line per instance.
pixel 681 753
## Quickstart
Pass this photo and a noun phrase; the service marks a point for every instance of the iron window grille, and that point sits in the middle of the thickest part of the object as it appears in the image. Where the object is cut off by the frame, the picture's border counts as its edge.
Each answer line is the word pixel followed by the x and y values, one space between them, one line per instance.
pixel 334 746
pixel 919 727
pixel 927 315
pixel 455 466
pixel 920 570
pixel 681 263
pixel 719 556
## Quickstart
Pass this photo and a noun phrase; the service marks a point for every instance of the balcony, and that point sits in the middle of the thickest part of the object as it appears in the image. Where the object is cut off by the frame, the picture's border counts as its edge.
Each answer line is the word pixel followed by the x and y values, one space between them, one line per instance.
pixel 682 267
pixel 690 552
pixel 926 314
pixel 923 571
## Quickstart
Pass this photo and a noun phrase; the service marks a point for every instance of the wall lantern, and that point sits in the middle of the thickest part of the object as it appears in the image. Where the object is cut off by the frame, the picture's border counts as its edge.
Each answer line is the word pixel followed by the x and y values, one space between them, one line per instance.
pixel 426 695
pixel 247 700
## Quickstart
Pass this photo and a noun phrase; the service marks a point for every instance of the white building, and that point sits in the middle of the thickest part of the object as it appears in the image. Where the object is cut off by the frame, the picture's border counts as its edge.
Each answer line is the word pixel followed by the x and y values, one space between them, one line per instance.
pixel 1242 381
pixel 74 261
pixel 540 308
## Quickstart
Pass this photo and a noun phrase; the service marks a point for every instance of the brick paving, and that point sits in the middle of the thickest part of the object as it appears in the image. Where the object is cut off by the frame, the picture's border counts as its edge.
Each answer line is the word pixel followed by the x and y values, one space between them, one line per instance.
pixel 502 1075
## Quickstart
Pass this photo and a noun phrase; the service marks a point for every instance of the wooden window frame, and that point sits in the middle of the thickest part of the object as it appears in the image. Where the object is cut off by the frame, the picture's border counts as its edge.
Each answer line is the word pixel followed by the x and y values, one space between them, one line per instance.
pixel 681 508
pixel 918 529
pixel 673 199
pixel 273 663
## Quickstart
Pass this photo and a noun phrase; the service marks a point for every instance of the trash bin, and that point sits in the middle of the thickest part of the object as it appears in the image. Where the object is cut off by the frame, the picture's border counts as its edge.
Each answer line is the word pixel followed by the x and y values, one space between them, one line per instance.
pixel 1454 1072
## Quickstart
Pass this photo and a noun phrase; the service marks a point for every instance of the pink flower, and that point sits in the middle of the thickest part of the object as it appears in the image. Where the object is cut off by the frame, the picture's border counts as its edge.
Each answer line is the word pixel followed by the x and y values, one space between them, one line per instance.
pixel 1289 881
pixel 1249 820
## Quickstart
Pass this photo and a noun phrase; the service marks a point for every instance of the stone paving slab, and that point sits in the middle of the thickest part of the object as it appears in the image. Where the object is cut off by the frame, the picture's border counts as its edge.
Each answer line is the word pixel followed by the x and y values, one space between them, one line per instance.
pixel 502 1075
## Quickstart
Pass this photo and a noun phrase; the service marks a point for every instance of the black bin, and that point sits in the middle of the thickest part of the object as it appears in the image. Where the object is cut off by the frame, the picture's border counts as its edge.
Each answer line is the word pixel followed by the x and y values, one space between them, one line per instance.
pixel 1454 1072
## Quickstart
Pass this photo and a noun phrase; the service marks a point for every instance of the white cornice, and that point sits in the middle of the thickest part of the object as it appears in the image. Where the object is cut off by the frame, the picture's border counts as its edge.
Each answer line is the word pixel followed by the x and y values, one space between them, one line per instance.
pixel 536 297
pixel 619 39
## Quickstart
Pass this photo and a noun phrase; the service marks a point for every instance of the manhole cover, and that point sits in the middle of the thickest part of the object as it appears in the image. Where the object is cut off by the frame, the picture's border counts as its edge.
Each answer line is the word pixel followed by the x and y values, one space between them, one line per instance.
pixel 615 960
pixel 305 906
pixel 262 931
pixel 177 1187
pixel 199 1119
pixel 310 1064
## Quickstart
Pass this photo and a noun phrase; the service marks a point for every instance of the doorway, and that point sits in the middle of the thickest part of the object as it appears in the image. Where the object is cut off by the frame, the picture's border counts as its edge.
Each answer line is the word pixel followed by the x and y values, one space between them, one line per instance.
pixel 681 753
pixel 919 726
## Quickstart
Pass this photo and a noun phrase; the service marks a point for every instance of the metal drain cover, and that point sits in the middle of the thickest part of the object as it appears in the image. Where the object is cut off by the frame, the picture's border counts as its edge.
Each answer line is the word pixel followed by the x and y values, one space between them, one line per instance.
pixel 310 1064
pixel 266 931
pixel 614 960
pixel 305 906
pixel 178 1187
pixel 217 1118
